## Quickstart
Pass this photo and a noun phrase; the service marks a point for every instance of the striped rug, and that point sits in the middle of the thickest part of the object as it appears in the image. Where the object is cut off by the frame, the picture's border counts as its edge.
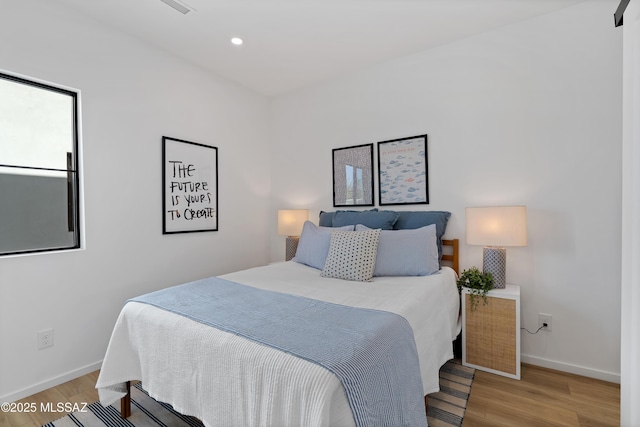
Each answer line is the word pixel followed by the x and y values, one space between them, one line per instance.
pixel 145 412
pixel 445 408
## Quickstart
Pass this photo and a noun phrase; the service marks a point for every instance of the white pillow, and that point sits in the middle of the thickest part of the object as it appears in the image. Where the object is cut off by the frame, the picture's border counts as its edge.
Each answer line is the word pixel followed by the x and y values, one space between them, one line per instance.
pixel 407 252
pixel 352 255
pixel 313 246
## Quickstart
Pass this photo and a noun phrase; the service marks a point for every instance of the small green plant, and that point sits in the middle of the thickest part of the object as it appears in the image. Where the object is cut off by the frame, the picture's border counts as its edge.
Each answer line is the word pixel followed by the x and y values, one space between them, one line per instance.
pixel 478 283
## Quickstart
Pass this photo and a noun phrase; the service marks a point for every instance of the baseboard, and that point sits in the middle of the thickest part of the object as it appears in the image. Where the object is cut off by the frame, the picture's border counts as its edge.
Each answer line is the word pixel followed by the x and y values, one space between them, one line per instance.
pixel 61 379
pixel 572 369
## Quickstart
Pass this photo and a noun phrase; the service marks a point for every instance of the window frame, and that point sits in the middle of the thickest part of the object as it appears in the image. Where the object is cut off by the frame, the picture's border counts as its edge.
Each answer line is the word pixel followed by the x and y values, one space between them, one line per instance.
pixel 74 172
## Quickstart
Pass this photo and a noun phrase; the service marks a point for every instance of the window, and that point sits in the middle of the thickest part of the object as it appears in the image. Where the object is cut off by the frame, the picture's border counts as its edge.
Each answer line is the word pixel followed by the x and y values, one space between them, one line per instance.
pixel 39 176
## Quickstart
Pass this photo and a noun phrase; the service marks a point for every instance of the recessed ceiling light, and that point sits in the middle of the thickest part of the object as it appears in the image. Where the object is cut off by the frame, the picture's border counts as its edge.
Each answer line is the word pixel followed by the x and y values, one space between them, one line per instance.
pixel 237 41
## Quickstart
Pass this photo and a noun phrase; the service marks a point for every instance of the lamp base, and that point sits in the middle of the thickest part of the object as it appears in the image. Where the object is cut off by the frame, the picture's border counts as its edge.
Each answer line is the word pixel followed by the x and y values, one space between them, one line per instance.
pixel 291 247
pixel 495 262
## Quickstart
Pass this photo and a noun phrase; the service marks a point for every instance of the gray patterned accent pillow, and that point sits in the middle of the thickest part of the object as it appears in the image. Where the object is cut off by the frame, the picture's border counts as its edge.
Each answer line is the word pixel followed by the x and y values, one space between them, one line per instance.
pixel 352 255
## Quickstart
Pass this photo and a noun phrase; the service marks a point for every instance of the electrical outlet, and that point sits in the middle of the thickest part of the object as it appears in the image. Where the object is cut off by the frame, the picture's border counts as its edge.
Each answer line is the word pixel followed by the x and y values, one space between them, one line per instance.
pixel 45 338
pixel 545 318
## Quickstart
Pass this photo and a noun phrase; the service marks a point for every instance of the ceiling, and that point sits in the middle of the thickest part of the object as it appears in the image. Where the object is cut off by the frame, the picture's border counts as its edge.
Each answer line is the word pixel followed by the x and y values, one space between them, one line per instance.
pixel 290 44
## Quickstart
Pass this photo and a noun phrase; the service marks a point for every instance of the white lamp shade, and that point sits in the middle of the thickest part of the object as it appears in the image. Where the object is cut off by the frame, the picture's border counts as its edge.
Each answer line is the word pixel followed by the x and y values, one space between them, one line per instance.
pixel 290 221
pixel 497 226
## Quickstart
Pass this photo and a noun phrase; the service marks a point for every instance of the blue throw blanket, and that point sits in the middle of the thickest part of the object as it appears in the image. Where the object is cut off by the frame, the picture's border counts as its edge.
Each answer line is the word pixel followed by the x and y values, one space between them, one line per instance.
pixel 372 352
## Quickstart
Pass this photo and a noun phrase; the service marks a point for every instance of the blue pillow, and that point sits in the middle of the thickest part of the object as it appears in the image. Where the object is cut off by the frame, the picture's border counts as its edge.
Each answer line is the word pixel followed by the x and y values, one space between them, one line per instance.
pixel 417 219
pixel 326 218
pixel 372 219
pixel 313 246
pixel 406 252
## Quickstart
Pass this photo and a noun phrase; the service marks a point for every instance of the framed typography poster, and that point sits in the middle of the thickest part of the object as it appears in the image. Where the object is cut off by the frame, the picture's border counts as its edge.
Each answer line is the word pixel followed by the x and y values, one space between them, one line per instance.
pixel 189 187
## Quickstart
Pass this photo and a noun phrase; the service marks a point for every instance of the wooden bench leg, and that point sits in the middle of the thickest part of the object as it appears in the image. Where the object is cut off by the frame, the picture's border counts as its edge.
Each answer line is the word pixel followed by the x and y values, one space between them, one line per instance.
pixel 125 403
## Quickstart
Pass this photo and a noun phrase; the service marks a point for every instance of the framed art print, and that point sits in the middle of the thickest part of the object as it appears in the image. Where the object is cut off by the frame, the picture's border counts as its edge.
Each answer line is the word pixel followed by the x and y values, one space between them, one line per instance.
pixel 353 176
pixel 403 171
pixel 190 186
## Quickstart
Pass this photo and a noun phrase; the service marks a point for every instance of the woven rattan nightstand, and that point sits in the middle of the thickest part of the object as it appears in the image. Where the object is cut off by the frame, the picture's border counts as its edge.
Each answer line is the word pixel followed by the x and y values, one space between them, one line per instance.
pixel 491 333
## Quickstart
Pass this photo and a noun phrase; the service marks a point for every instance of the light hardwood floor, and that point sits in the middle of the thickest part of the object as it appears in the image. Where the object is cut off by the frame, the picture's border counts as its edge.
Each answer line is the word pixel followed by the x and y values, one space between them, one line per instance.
pixel 76 391
pixel 542 397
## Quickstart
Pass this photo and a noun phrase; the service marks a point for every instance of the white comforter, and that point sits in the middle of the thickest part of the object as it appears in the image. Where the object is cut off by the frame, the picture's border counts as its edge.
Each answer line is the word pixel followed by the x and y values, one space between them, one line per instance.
pixel 226 380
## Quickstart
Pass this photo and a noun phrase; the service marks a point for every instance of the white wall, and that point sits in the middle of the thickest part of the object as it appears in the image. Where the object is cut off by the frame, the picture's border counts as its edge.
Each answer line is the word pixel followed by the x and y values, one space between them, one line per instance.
pixel 525 114
pixel 630 316
pixel 132 95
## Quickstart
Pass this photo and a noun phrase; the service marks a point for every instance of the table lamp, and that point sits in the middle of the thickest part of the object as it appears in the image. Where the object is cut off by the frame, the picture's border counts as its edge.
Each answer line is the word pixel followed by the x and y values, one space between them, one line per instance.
pixel 495 228
pixel 290 224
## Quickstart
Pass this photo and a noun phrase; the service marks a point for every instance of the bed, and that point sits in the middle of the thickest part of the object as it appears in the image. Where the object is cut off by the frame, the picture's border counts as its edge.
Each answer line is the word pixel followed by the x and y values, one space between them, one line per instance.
pixel 226 379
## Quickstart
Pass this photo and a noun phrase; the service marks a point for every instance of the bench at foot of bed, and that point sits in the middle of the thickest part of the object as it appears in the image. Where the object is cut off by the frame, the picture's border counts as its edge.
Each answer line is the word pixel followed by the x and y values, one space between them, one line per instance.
pixel 125 403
